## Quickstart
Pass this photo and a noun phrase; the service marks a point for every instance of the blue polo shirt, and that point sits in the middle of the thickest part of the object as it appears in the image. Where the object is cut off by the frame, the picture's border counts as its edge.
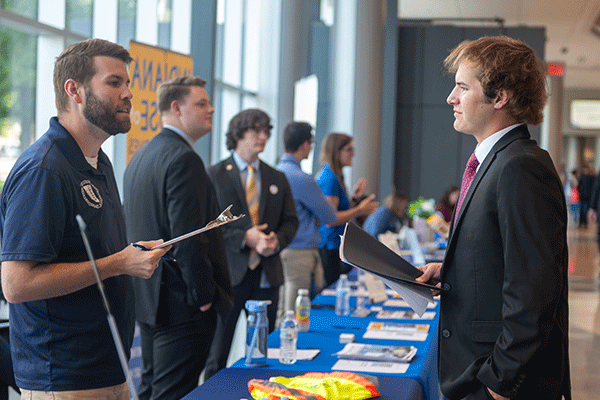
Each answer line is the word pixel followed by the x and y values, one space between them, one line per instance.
pixel 64 343
pixel 311 204
pixel 331 186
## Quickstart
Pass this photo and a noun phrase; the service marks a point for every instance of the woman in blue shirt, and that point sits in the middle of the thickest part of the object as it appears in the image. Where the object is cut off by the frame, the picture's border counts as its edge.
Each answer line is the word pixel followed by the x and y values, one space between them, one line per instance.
pixel 337 151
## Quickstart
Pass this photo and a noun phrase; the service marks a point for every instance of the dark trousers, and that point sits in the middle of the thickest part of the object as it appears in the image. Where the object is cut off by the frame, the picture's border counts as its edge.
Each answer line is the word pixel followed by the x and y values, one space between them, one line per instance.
pixel 7 377
pixel 481 394
pixel 332 265
pixel 249 289
pixel 174 356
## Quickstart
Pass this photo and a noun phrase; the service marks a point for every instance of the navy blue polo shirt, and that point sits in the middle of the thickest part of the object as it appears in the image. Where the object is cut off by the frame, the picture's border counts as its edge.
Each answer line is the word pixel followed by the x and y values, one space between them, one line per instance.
pixel 64 343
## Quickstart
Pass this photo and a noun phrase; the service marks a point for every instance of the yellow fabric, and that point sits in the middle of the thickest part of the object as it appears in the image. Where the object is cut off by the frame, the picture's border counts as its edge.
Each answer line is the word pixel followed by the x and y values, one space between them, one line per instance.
pixel 315 386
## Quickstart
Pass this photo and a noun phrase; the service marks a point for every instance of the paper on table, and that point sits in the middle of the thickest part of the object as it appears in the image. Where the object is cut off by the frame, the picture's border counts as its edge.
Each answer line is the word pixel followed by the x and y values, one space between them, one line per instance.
pixel 397 331
pixel 301 354
pixel 397 314
pixel 402 303
pixel 370 366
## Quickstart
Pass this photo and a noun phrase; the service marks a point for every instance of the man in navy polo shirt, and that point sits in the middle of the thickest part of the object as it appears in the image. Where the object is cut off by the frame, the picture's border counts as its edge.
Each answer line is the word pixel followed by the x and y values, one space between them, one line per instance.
pixel 62 346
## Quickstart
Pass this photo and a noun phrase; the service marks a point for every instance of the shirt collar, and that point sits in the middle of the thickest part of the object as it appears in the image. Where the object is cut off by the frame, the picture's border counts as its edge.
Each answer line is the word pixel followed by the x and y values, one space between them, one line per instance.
pixel 180 133
pixel 242 164
pixel 484 148
pixel 290 158
pixel 70 148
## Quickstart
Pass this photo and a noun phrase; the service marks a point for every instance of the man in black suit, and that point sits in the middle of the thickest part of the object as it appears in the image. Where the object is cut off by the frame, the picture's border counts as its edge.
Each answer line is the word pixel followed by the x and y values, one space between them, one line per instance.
pixel 252 246
pixel 167 193
pixel 503 330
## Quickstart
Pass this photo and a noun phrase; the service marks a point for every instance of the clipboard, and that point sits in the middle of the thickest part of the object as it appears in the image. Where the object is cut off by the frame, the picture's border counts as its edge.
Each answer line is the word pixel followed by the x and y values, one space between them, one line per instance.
pixel 224 218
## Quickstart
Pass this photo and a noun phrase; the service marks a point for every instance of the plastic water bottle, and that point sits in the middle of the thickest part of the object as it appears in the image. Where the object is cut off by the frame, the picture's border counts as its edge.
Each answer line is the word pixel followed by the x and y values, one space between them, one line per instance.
pixel 303 310
pixel 362 295
pixel 288 338
pixel 342 296
pixel 256 333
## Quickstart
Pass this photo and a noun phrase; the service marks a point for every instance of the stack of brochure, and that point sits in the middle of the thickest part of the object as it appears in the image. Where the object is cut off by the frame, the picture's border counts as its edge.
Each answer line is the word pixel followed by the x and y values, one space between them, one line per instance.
pixel 397 331
pixel 375 352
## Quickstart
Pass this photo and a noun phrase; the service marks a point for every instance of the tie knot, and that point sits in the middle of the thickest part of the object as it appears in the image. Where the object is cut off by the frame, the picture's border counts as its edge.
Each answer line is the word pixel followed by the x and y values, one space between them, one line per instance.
pixel 473 162
pixel 250 169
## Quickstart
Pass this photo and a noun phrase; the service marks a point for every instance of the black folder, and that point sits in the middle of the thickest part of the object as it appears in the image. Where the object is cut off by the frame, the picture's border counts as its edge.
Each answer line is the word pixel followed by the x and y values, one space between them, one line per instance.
pixel 362 250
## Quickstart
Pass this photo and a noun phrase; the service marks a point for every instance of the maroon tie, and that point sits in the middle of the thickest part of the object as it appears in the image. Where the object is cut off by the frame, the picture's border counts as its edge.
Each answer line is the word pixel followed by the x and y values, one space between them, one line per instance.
pixel 466 183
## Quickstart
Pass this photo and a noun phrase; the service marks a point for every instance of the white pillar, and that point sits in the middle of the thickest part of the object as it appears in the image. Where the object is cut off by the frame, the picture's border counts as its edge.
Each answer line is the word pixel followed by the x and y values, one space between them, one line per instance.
pixel 357 74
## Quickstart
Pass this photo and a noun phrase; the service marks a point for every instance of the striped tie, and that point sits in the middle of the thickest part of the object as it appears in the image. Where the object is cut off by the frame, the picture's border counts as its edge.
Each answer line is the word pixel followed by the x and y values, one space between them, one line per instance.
pixel 252 202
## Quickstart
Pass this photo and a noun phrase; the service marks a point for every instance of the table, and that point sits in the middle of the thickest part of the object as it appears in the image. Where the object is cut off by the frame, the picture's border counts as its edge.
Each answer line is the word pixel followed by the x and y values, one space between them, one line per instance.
pixel 419 382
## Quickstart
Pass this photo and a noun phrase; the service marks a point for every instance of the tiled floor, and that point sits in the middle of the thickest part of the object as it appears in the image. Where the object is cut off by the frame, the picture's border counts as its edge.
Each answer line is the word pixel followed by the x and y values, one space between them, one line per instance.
pixel 584 313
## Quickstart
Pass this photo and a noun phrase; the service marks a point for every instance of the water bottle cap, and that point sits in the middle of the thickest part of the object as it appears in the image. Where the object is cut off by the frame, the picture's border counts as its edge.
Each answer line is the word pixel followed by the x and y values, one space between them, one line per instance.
pixel 257 305
pixel 303 292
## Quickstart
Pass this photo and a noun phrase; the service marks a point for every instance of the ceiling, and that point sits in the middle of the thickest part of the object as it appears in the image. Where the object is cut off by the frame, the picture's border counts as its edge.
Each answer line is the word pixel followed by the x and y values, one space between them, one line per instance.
pixel 568 28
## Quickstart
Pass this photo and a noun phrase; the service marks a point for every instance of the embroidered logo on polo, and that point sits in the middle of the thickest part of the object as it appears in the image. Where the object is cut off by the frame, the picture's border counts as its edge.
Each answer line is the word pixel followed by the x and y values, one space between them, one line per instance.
pixel 91 194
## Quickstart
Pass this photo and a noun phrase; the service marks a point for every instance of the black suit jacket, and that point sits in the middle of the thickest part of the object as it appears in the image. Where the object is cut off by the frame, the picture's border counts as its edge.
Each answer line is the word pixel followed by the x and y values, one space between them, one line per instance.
pixel 167 193
pixel 276 208
pixel 504 322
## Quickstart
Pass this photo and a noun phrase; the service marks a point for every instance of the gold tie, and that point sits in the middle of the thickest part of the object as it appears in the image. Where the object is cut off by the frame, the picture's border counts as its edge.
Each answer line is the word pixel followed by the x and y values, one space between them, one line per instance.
pixel 252 202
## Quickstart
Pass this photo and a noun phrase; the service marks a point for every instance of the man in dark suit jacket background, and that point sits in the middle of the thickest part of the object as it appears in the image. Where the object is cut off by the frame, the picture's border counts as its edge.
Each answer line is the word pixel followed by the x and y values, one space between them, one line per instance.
pixel 503 330
pixel 167 193
pixel 252 248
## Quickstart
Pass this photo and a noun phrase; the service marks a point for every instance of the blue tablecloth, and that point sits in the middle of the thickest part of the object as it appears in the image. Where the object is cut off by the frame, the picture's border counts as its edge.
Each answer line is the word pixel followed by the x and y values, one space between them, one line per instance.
pixel 232 384
pixel 324 333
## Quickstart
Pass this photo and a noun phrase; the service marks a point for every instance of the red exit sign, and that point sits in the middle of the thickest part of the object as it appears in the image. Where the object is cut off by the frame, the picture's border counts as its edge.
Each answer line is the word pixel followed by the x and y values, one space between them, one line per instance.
pixel 556 69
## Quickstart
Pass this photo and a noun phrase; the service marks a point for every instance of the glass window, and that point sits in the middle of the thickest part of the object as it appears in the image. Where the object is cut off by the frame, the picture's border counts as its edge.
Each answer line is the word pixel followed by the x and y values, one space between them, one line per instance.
pixel 229 106
pixel 26 8
pixel 585 114
pixel 126 22
pixel 79 16
pixel 240 64
pixel 164 23
pixel 251 45
pixel 233 39
pixel 17 95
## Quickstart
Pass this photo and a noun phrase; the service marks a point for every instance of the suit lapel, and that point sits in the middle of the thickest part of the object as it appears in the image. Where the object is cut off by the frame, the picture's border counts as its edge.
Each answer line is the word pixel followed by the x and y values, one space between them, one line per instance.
pixel 265 181
pixel 520 132
pixel 233 172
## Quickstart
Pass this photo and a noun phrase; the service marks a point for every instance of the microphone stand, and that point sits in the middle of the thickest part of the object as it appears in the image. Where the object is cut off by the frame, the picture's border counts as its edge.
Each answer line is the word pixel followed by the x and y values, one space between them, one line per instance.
pixel 111 320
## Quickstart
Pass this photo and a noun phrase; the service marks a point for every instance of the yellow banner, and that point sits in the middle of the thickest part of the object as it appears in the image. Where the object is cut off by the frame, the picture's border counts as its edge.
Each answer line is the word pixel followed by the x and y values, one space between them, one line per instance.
pixel 150 67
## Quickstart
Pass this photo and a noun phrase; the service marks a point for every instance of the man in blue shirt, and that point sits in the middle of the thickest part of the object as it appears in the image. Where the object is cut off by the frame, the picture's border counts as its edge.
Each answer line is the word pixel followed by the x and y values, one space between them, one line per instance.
pixel 61 343
pixel 301 259
pixel 389 216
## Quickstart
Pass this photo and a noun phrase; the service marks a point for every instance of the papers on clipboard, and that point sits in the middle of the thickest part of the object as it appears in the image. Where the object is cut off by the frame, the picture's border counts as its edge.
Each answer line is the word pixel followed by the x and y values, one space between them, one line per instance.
pixel 363 251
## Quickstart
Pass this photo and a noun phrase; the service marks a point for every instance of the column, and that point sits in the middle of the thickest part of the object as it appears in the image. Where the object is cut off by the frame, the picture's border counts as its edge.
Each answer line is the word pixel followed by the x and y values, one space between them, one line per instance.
pixel 357 76
pixel 554 138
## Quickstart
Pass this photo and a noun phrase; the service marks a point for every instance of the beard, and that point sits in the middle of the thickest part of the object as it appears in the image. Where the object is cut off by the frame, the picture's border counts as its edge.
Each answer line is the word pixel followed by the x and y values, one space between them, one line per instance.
pixel 100 114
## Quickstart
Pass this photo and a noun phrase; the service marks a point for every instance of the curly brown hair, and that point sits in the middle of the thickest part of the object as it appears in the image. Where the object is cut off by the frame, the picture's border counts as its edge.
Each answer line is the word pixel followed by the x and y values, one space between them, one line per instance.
pixel 506 64
pixel 252 118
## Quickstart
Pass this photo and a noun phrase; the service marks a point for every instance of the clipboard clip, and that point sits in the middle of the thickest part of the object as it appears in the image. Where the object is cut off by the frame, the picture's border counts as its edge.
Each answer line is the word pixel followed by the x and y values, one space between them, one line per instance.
pixel 224 218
